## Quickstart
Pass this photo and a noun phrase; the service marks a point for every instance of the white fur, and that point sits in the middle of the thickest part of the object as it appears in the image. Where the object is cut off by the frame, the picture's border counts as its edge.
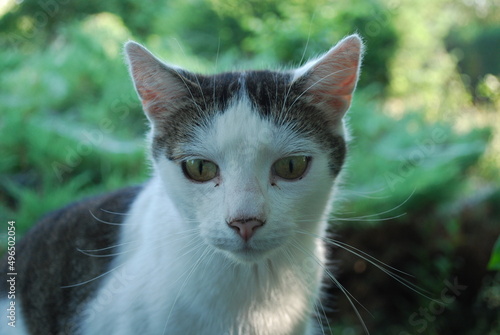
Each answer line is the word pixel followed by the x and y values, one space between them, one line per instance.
pixel 183 270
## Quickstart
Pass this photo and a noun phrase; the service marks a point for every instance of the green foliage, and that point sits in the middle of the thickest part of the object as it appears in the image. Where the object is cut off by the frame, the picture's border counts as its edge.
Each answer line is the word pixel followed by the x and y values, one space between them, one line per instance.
pixel 476 49
pixel 425 145
pixel 494 263
pixel 70 117
pixel 34 18
pixel 274 31
pixel 282 32
pixel 406 164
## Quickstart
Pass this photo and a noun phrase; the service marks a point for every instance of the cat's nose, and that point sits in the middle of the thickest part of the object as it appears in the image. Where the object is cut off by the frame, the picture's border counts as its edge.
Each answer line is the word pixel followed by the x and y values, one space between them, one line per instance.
pixel 246 227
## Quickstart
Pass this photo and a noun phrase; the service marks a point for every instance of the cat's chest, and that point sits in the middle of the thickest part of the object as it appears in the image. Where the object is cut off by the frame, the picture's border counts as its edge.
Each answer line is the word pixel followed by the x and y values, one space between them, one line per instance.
pixel 202 293
pixel 182 285
pixel 218 299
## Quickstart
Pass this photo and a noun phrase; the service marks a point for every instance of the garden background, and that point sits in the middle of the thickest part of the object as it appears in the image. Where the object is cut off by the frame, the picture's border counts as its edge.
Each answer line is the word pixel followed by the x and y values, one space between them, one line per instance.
pixel 422 187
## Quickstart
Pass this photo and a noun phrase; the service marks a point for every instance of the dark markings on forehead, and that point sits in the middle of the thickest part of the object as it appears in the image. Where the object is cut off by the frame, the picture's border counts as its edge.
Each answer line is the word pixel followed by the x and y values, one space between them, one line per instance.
pixel 271 94
pixel 277 99
pixel 206 96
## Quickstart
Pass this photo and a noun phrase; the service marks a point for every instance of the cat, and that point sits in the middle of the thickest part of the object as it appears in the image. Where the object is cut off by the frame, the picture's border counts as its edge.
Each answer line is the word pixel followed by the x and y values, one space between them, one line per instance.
pixel 227 236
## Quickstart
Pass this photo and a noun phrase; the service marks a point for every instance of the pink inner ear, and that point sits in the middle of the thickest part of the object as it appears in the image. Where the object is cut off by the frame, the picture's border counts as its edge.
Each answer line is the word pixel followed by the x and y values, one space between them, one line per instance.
pixel 339 77
pixel 159 86
pixel 147 95
pixel 336 89
pixel 146 84
pixel 333 78
pixel 157 89
pixel 348 84
pixel 148 99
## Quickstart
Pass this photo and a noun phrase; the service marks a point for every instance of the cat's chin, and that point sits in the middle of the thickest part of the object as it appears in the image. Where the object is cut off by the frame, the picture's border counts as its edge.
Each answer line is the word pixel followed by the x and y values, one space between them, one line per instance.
pixel 258 249
pixel 248 255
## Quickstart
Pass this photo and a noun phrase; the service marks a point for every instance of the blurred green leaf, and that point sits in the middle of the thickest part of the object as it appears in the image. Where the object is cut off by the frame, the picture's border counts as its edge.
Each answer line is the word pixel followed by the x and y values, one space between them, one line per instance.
pixel 424 122
pixel 494 263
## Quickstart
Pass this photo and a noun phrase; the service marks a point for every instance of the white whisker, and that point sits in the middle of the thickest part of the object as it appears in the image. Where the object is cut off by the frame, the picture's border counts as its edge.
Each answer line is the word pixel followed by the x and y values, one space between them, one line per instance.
pixel 185 234
pixel 290 259
pixel 316 83
pixel 375 262
pixel 111 212
pixel 118 266
pixel 346 293
pixel 363 217
pixel 95 278
pixel 106 222
pixel 191 271
pixel 367 219
pixel 133 241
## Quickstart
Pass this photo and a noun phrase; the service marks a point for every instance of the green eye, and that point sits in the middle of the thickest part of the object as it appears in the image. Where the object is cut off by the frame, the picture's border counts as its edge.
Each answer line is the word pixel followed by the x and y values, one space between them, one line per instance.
pixel 292 167
pixel 199 169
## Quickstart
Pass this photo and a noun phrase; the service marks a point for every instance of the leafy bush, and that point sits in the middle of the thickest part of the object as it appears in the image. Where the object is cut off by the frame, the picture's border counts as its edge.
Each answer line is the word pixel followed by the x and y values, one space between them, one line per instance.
pixel 421 186
pixel 405 163
pixel 72 124
pixel 29 18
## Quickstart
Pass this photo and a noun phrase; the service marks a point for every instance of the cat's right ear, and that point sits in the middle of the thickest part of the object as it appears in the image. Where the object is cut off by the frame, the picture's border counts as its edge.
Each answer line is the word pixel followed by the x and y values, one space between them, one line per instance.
pixel 159 86
pixel 330 80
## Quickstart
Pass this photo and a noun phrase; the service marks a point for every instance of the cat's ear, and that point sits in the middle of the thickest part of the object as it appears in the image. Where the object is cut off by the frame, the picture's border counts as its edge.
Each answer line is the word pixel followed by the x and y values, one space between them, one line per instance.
pixel 331 79
pixel 159 86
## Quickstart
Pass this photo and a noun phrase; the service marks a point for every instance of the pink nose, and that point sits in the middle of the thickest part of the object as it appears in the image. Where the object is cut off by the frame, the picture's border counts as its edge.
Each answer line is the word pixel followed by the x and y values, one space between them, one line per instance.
pixel 246 227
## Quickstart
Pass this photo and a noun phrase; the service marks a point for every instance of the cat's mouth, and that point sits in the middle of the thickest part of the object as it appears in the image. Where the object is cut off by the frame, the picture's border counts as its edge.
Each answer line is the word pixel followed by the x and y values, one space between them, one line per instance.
pixel 248 254
pixel 255 249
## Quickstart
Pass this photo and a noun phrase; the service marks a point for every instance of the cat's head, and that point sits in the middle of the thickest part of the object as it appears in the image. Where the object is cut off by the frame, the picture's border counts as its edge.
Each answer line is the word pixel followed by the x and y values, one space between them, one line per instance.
pixel 249 158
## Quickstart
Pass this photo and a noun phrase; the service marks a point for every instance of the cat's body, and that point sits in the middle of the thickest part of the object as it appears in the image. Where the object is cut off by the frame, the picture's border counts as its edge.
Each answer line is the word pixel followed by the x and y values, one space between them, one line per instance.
pixel 48 258
pixel 226 236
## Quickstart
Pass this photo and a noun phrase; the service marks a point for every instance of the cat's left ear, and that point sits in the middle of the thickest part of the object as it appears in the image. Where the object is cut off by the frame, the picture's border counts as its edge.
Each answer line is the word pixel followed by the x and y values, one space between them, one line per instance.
pixel 331 79
pixel 161 88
